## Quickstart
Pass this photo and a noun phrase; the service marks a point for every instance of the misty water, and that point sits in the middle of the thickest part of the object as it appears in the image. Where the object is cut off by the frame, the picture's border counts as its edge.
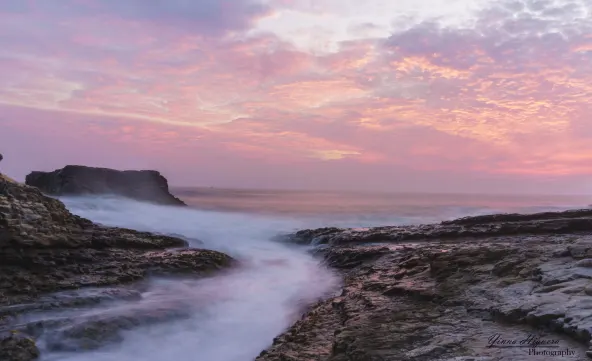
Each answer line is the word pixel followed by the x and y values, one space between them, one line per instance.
pixel 233 316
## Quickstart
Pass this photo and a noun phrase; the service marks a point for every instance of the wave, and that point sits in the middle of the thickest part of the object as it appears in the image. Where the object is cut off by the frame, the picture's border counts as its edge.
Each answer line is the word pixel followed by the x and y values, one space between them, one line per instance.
pixel 229 317
pixel 233 316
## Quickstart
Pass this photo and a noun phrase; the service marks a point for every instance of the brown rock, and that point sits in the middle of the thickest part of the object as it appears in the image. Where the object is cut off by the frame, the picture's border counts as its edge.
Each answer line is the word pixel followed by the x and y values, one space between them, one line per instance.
pixel 568 222
pixel 18 347
pixel 443 298
pixel 44 248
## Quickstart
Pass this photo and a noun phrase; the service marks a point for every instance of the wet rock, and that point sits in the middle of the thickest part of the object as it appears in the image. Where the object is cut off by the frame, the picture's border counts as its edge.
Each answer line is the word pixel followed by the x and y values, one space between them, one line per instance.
pixel 55 268
pixel 17 347
pixel 310 236
pixel 44 248
pixel 343 257
pixel 97 331
pixel 442 298
pixel 584 263
pixel 570 222
pixel 68 299
pixel 516 217
pixel 143 185
pixel 581 249
pixel 35 272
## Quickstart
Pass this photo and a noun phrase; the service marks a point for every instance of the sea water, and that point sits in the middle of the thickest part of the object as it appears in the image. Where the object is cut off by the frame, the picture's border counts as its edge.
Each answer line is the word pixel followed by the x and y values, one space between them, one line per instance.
pixel 233 316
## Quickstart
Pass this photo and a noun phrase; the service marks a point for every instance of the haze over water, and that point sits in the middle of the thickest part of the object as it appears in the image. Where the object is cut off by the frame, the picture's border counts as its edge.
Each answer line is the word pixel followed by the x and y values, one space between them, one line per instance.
pixel 234 316
pixel 349 208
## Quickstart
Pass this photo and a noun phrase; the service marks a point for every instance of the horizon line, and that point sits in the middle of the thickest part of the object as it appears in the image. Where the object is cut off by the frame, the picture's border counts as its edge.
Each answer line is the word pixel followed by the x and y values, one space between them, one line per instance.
pixel 396 192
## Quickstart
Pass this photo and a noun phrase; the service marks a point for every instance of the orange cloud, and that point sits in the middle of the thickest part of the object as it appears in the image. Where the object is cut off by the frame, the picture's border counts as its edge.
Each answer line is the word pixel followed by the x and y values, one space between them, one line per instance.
pixel 507 97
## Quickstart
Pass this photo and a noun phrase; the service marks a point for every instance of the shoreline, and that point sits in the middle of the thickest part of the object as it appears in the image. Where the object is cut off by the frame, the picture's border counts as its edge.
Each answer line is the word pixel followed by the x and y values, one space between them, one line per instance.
pixel 51 259
pixel 406 289
pixel 409 289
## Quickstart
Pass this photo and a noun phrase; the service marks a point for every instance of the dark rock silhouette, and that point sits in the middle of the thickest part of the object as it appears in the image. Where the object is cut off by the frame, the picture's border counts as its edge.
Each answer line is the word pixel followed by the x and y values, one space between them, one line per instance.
pixel 142 185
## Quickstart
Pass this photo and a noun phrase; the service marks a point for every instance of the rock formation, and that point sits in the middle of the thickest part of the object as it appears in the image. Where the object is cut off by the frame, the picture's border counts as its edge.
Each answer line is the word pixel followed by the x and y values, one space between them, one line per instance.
pixel 449 291
pixel 143 185
pixel 480 226
pixel 16 347
pixel 45 249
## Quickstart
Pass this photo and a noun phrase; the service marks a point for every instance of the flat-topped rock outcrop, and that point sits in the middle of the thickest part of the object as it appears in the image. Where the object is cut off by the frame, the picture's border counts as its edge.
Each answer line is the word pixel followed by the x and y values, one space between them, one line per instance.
pixel 73 180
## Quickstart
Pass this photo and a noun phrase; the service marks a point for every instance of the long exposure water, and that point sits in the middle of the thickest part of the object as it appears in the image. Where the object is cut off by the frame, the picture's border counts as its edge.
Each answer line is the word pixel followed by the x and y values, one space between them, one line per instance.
pixel 236 314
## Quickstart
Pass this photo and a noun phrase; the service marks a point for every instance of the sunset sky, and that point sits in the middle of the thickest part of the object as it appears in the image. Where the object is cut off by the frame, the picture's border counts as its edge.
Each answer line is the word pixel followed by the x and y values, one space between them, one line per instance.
pixel 405 95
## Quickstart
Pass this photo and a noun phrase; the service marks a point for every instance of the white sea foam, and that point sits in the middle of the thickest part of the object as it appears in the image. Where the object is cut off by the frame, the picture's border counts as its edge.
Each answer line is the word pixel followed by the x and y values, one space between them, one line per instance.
pixel 232 317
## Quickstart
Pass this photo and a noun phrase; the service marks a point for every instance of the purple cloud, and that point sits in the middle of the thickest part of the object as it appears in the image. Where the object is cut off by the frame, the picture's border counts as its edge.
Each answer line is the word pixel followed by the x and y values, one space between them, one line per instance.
pixel 204 17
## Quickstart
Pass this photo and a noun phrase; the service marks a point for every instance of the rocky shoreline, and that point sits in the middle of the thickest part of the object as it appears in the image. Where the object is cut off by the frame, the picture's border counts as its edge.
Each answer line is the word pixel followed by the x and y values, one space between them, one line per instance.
pixel 486 288
pixel 480 226
pixel 52 259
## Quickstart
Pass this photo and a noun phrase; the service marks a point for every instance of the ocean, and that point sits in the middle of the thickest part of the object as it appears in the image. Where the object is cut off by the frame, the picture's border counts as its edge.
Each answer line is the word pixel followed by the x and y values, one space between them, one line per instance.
pixel 365 209
pixel 234 316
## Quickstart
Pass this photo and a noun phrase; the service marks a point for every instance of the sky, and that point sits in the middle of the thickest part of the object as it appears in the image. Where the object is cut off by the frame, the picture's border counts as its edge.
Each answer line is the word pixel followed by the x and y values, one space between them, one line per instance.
pixel 490 96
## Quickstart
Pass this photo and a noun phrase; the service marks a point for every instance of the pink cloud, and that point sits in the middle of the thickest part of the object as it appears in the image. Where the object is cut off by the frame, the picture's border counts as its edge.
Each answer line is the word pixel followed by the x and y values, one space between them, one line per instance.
pixel 507 98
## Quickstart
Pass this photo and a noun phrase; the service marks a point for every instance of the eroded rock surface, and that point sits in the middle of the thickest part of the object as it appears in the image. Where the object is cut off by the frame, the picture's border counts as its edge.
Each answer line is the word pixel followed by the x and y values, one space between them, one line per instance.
pixel 17 347
pixel 45 249
pixel 143 185
pixel 479 226
pixel 448 293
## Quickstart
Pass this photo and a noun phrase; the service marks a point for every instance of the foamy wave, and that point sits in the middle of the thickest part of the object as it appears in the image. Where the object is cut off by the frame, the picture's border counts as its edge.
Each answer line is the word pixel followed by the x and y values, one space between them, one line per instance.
pixel 230 317
pixel 233 316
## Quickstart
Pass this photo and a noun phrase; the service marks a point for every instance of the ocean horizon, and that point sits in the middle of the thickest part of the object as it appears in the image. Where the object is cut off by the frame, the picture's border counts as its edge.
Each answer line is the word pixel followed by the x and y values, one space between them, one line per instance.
pixel 233 316
pixel 375 208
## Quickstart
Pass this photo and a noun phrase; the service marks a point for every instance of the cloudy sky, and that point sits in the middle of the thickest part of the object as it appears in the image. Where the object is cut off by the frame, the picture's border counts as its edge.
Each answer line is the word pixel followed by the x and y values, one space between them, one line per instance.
pixel 406 95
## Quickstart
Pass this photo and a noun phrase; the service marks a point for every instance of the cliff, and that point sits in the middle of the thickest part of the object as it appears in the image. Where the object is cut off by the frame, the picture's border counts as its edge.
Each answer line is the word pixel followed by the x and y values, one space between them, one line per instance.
pixel 142 185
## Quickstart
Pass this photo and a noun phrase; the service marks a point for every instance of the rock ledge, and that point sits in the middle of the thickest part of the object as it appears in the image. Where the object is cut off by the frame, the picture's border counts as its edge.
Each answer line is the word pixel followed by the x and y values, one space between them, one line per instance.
pixel 442 292
pixel 51 259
